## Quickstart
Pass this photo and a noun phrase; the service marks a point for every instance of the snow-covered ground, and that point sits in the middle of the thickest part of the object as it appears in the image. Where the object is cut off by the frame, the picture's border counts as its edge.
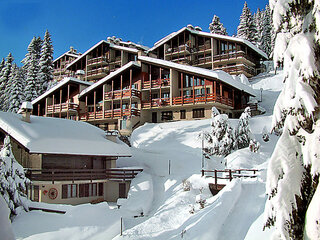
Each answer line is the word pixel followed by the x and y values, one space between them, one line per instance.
pixel 160 205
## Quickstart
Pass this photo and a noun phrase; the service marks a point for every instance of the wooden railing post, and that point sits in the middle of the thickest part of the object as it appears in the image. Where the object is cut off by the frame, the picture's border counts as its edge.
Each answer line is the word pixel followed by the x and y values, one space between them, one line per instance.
pixel 202 171
pixel 230 175
pixel 215 178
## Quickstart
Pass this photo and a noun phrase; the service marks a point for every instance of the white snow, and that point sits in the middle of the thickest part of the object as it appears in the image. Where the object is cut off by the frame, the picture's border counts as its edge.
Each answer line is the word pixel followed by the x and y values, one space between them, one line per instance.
pixel 6 232
pixel 60 136
pixel 170 202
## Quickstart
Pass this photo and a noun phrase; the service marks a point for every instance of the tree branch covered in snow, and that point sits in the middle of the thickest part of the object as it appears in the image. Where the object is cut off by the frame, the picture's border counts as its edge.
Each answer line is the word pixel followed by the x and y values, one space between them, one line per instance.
pixel 293 170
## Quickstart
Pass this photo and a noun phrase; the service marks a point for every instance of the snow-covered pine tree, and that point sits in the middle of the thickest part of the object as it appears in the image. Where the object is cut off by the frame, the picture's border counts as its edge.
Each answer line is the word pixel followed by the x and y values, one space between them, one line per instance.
pixel 6 101
pixel 2 65
pixel 32 70
pixel 220 140
pixel 258 18
pixel 266 37
pixel 46 65
pixel 293 173
pixel 217 27
pixel 247 28
pixel 12 179
pixel 243 132
pixel 17 90
pixel 5 74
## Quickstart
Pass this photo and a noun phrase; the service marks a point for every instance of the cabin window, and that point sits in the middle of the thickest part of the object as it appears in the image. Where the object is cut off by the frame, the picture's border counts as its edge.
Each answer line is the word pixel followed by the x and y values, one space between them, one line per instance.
pixel 165 95
pixel 198 113
pixel 100 189
pixel 123 124
pixel 69 191
pixel 182 114
pixel 167 115
pixel 90 190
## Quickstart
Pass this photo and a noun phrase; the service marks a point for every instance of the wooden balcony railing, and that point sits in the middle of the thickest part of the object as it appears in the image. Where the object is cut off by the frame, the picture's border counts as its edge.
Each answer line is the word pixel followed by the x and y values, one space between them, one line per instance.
pixel 97 71
pixel 202 99
pixel 125 93
pixel 156 83
pixel 113 114
pixel 63 107
pixel 53 175
pixel 158 102
pixel 239 69
pixel 97 60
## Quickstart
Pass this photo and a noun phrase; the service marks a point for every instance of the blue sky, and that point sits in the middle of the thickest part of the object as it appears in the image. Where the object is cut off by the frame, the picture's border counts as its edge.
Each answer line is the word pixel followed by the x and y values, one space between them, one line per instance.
pixel 83 23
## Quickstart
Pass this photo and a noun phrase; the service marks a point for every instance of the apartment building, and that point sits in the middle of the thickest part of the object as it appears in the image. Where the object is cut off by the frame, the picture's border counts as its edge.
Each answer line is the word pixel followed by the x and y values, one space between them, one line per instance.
pixel 193 47
pixel 60 63
pixel 156 90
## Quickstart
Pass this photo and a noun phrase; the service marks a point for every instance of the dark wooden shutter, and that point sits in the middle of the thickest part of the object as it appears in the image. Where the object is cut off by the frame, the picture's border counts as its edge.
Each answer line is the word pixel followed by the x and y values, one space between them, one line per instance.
pixel 122 190
pixel 81 190
pixel 64 191
pixel 100 189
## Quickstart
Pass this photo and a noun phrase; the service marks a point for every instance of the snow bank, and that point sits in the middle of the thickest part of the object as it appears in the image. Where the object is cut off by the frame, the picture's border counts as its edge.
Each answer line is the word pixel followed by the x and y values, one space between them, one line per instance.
pixel 140 195
pixel 6 229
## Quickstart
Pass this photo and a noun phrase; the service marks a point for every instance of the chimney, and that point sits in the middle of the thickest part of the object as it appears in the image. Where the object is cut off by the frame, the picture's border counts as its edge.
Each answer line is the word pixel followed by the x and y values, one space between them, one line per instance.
pixel 26 110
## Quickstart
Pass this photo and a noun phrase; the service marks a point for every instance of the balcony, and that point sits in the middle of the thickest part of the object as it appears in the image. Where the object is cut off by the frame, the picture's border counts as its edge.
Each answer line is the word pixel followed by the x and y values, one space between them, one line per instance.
pixel 158 102
pixel 82 174
pixel 182 49
pixel 97 61
pixel 238 69
pixel 109 114
pixel 99 72
pixel 203 60
pixel 146 84
pixel 126 93
pixel 63 107
pixel 202 99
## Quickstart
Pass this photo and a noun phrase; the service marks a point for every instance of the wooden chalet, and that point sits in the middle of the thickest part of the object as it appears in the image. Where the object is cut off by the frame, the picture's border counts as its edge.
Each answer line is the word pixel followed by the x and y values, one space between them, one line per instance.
pixel 103 58
pixel 155 90
pixel 68 162
pixel 61 100
pixel 194 47
pixel 60 63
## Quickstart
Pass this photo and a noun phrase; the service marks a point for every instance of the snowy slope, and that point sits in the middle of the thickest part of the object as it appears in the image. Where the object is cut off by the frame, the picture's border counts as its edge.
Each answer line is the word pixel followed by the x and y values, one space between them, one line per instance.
pixel 161 197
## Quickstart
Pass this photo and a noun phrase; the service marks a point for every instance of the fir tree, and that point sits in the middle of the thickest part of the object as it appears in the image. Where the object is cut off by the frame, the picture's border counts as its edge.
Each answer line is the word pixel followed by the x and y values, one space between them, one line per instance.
pixel 258 18
pixel 293 171
pixel 266 37
pixel 2 65
pixel 217 27
pixel 247 27
pixel 46 64
pixel 243 132
pixel 5 73
pixel 12 179
pixel 17 91
pixel 32 70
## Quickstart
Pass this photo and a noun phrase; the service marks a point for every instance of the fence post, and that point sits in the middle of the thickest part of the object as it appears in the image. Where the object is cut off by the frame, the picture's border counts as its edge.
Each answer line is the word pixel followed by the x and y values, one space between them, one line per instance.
pixel 169 167
pixel 230 175
pixel 202 171
pixel 215 178
pixel 121 226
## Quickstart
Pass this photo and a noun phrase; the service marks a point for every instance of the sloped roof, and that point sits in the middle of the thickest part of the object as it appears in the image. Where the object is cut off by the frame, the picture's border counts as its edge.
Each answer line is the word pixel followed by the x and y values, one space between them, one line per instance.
pixel 217 74
pixel 59 85
pixel 212 35
pixel 68 54
pixel 60 136
pixel 127 49
pixel 108 77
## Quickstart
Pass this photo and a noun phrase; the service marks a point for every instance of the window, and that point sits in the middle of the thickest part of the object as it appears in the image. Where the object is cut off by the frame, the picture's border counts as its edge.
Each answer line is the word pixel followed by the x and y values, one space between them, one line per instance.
pixel 166 115
pixel 182 114
pixel 198 113
pixel 123 124
pixel 90 190
pixel 69 191
pixel 165 95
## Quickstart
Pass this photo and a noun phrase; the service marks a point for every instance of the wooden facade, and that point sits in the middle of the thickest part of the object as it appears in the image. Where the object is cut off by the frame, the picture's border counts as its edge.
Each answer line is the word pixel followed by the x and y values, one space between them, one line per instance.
pixel 157 93
pixel 60 64
pixel 211 51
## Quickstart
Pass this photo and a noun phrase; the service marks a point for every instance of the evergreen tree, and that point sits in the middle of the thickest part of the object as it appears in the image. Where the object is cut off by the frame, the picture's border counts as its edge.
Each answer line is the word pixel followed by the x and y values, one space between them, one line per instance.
pixel 258 18
pixel 5 73
pixel 17 91
pixel 46 64
pixel 266 37
pixel 293 172
pixel 243 132
pixel 247 28
pixel 217 27
pixel 12 179
pixel 32 70
pixel 2 65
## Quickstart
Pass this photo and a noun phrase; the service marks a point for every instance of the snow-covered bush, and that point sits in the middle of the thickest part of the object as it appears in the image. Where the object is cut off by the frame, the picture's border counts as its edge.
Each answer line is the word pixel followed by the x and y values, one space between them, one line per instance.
pixel 254 146
pixel 243 132
pixel 12 179
pixel 186 185
pixel 265 135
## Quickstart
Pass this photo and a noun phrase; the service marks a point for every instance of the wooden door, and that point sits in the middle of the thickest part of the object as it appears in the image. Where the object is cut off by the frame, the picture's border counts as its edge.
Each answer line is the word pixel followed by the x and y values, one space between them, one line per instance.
pixel 122 190
pixel 154 117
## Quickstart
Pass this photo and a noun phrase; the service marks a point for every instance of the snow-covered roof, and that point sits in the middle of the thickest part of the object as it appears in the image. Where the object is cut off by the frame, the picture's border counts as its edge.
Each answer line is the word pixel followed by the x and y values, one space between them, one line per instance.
pixel 211 35
pixel 110 76
pixel 60 136
pixel 59 85
pixel 217 74
pixel 127 49
pixel 68 54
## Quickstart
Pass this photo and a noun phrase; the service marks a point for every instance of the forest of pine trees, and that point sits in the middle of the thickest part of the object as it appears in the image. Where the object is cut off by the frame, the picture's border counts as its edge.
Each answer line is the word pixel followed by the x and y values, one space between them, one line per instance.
pixel 18 84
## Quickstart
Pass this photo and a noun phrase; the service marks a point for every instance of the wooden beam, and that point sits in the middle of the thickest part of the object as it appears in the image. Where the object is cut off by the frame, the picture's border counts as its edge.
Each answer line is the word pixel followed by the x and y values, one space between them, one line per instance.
pixel 130 91
pixel 68 101
pixel 52 104
pixel 215 89
pixel 193 96
pixel 38 109
pixel 121 87
pixel 181 88
pixel 60 103
pixel 94 103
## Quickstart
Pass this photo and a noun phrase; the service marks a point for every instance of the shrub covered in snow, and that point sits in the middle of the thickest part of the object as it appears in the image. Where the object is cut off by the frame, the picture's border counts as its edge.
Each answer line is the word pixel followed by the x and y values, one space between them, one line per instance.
pixel 243 132
pixel 254 145
pixel 12 179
